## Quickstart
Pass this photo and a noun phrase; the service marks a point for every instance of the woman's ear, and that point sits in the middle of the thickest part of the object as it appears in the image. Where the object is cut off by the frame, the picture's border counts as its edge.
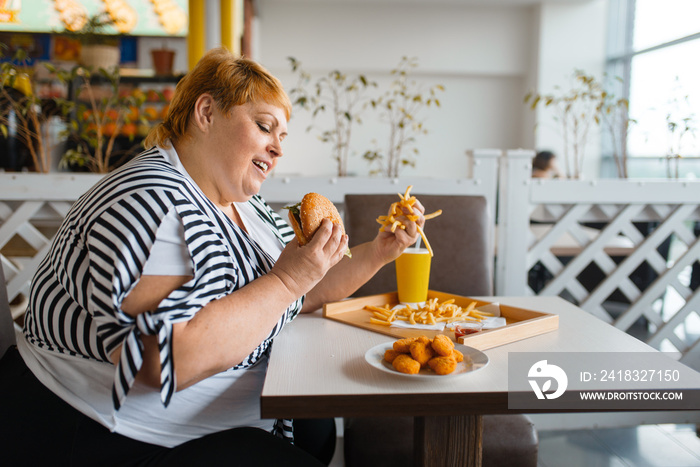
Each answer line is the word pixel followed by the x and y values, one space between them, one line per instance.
pixel 203 115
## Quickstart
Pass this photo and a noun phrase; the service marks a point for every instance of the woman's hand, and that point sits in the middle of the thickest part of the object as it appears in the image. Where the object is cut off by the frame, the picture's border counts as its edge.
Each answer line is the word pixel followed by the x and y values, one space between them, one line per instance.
pixel 389 246
pixel 300 268
pixel 367 258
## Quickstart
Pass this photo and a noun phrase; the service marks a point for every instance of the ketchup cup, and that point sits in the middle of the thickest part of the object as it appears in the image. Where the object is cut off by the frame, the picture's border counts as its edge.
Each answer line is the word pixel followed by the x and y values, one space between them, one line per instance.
pixel 465 329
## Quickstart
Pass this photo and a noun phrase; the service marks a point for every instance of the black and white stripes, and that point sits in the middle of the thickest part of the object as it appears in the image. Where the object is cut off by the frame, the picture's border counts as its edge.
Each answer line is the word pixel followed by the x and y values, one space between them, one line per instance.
pixel 98 255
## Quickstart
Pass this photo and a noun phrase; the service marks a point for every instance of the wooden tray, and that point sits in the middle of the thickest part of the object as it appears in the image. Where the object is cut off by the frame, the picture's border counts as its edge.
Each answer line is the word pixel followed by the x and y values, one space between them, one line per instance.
pixel 521 323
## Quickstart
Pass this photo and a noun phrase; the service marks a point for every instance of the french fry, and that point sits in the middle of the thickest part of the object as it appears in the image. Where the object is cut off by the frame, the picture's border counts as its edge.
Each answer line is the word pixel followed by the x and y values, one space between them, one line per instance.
pixel 396 209
pixel 432 312
pixel 379 322
pixel 482 314
pixel 377 308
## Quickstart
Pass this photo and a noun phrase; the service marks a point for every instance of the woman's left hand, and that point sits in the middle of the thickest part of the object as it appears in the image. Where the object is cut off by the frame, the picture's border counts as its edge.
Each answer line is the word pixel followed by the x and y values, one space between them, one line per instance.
pixel 389 245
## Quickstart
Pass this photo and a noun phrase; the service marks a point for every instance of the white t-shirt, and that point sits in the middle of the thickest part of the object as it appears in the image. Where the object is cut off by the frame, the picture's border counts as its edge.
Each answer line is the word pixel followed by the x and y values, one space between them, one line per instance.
pixel 169 255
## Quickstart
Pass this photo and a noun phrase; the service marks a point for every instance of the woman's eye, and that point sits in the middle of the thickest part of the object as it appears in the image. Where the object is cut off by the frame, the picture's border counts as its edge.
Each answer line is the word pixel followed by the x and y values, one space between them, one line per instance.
pixel 263 127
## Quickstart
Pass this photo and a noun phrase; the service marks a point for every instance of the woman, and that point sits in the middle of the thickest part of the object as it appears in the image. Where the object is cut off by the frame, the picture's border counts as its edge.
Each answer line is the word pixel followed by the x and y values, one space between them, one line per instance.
pixel 152 316
pixel 544 165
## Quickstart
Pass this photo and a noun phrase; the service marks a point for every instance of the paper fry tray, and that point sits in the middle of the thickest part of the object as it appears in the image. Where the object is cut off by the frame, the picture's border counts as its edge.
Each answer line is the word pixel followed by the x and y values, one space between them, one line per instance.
pixel 520 322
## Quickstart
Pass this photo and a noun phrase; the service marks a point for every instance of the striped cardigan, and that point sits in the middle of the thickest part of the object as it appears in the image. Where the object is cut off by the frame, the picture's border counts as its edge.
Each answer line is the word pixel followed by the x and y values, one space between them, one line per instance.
pixel 100 250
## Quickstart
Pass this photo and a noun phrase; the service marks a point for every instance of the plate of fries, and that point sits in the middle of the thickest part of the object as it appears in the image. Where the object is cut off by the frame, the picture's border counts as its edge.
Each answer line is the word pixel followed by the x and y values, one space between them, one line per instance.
pixel 431 313
pixel 473 360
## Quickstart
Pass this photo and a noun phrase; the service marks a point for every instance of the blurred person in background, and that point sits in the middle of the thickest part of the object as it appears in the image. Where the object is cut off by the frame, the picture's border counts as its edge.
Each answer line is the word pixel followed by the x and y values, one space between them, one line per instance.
pixel 544 165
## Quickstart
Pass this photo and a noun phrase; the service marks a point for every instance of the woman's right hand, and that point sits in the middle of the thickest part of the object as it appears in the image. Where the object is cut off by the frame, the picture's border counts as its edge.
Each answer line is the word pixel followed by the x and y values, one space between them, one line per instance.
pixel 300 268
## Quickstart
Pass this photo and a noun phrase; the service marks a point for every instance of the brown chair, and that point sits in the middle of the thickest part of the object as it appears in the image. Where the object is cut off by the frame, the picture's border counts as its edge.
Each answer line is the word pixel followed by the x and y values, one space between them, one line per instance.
pixel 461 239
pixel 7 327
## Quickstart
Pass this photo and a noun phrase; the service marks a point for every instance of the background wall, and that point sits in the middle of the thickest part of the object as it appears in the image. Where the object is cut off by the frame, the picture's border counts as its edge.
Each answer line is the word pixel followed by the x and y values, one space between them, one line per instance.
pixel 487 57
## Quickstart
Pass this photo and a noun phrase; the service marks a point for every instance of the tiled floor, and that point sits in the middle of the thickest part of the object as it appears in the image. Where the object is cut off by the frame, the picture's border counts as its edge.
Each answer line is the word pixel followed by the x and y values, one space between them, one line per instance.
pixel 643 446
pixel 646 445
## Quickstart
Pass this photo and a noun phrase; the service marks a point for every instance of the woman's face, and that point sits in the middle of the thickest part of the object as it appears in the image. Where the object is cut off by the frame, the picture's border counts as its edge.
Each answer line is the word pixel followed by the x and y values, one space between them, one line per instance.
pixel 248 144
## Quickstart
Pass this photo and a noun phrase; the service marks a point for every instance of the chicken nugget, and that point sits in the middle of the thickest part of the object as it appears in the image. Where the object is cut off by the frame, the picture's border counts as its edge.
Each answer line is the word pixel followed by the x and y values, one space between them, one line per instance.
pixel 457 355
pixel 391 354
pixel 403 345
pixel 443 345
pixel 442 365
pixel 422 352
pixel 405 364
pixel 423 339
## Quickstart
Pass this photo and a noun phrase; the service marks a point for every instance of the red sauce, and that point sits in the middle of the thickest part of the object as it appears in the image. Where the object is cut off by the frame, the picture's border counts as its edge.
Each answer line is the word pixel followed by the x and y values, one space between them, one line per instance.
pixel 463 331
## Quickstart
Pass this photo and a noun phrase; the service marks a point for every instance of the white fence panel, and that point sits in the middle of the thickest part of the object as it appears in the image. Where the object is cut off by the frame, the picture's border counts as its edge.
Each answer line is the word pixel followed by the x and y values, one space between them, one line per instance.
pixel 626 251
pixel 32 206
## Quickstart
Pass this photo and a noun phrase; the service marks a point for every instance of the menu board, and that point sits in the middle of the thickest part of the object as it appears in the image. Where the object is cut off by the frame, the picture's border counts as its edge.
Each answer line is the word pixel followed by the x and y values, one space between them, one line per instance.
pixel 134 17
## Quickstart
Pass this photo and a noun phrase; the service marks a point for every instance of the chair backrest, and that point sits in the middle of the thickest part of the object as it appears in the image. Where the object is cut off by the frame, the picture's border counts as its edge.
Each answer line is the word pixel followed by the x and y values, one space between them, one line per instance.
pixel 7 327
pixel 461 238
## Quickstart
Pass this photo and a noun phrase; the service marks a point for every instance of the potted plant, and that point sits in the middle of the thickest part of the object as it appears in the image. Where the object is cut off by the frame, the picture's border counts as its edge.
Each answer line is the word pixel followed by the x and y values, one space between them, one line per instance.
pixel 163 60
pixel 98 48
pixel 25 116
pixel 680 124
pixel 101 113
pixel 401 105
pixel 576 110
pixel 344 96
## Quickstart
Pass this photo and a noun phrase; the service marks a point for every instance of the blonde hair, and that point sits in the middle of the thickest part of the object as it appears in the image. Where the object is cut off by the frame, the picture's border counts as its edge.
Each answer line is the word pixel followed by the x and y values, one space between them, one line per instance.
pixel 230 80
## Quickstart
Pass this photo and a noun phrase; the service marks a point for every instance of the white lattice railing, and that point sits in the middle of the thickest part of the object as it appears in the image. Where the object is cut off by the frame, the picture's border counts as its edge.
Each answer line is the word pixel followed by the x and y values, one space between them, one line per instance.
pixel 626 251
pixel 32 206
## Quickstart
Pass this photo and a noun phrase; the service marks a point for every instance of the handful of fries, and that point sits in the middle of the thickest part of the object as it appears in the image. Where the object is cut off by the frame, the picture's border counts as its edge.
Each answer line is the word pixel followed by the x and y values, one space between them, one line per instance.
pixel 430 313
pixel 391 221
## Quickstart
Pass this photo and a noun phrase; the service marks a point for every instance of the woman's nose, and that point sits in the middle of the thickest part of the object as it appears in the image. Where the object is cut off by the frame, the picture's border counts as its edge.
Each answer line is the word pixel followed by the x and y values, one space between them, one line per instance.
pixel 275 149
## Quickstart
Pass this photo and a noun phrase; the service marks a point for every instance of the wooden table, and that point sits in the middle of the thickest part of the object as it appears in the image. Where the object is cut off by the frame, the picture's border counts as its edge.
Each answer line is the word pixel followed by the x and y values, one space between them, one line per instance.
pixel 317 369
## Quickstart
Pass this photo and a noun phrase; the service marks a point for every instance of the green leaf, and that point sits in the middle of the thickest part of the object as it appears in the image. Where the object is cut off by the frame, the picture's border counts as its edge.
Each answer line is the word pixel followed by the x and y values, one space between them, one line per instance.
pixel 293 63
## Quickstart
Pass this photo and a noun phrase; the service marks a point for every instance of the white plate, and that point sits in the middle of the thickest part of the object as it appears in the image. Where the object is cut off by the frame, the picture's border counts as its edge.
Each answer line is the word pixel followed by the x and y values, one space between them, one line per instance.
pixel 375 357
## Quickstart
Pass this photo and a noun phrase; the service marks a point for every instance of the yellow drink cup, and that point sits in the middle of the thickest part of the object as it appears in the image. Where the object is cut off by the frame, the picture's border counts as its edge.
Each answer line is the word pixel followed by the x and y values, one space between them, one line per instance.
pixel 413 275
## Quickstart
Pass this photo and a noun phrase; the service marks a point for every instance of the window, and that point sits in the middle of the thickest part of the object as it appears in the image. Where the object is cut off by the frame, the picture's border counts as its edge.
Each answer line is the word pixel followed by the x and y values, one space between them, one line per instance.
pixel 654 47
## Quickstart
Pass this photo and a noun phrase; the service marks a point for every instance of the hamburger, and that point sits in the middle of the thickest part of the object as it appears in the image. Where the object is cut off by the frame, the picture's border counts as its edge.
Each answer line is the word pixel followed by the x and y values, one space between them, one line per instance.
pixel 307 215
